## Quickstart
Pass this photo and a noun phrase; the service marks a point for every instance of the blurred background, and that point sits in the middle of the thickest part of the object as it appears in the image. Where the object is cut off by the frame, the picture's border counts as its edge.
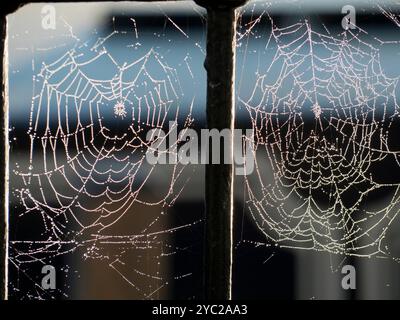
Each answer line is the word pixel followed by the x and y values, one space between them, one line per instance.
pixel 154 249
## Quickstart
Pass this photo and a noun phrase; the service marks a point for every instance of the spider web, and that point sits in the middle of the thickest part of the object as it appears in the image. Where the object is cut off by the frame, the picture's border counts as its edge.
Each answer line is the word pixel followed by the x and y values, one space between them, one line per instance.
pixel 87 179
pixel 325 116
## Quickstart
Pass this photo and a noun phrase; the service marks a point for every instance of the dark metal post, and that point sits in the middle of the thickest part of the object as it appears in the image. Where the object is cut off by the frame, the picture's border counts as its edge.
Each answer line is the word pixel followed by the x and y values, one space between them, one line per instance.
pixel 4 162
pixel 7 8
pixel 220 66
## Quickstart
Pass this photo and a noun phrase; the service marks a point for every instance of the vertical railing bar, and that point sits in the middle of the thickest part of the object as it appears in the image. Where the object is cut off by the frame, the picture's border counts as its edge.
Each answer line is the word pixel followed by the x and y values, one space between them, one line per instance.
pixel 4 217
pixel 220 67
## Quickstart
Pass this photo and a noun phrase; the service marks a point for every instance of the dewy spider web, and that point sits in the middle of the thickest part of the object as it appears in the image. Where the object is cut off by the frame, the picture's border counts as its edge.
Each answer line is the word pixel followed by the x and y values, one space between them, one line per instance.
pixel 324 111
pixel 87 169
pixel 82 107
pixel 325 115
